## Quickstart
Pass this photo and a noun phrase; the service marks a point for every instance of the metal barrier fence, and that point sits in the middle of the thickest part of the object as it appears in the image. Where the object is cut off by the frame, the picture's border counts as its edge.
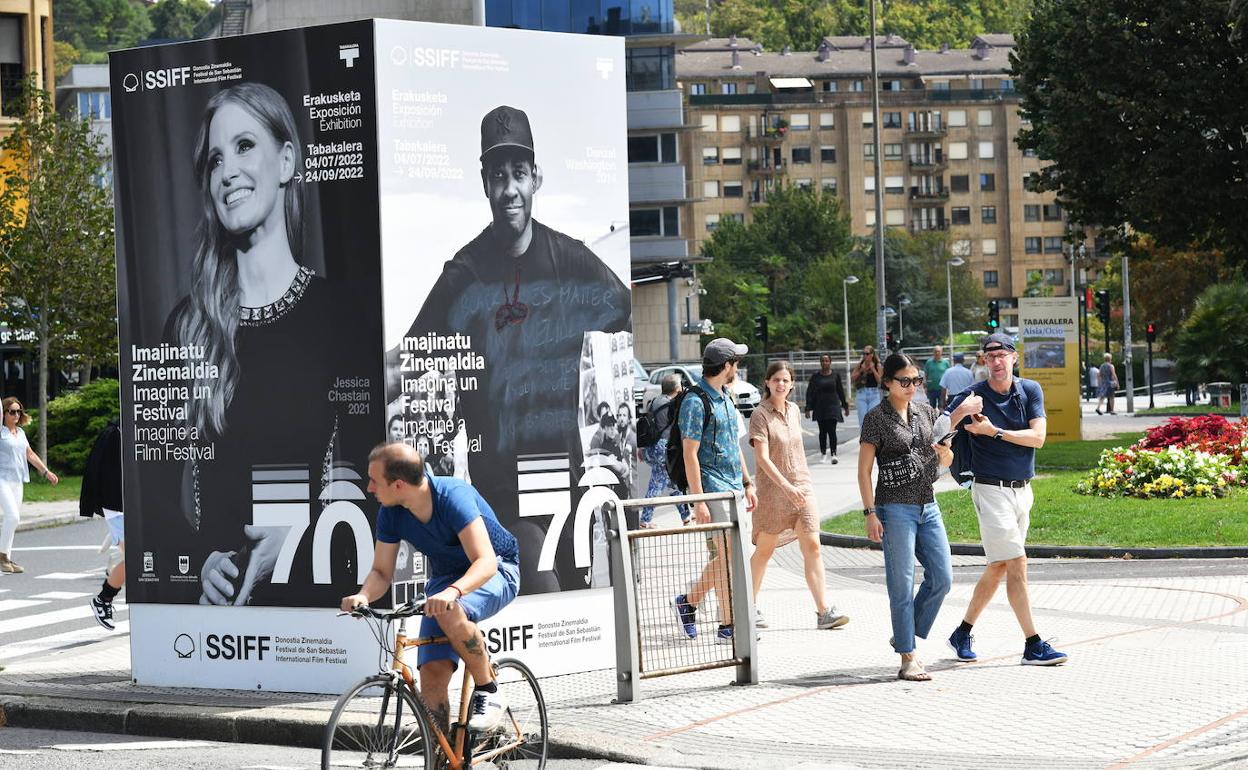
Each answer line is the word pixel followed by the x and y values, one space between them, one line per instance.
pixel 651 567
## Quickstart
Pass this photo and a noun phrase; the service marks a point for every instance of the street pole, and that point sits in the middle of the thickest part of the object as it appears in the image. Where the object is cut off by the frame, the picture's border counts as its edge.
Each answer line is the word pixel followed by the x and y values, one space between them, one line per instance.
pixel 880 328
pixel 951 263
pixel 1150 374
pixel 845 282
pixel 1126 335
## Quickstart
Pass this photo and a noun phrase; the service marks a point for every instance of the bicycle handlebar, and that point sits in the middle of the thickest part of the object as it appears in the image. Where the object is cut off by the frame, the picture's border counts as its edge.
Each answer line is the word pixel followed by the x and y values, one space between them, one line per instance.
pixel 405 610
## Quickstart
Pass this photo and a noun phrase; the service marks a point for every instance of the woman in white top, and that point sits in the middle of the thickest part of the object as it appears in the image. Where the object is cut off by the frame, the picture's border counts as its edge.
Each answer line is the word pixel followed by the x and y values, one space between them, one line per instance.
pixel 15 453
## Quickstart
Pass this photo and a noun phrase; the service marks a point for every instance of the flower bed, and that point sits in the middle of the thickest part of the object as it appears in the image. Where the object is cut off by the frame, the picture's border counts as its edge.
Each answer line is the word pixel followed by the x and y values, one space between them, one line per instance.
pixel 1183 457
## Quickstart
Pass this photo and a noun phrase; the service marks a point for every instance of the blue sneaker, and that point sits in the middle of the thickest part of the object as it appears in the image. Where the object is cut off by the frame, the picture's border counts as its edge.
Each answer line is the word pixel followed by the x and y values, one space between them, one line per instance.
pixel 724 635
pixel 1042 654
pixel 960 641
pixel 688 616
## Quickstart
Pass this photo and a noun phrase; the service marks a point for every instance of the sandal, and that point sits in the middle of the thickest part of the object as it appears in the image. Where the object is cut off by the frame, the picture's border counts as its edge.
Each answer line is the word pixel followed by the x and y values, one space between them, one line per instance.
pixel 912 671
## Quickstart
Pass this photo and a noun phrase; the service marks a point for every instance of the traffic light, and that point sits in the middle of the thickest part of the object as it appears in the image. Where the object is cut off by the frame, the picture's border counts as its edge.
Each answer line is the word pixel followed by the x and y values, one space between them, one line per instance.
pixel 994 315
pixel 1102 305
pixel 1151 332
pixel 760 327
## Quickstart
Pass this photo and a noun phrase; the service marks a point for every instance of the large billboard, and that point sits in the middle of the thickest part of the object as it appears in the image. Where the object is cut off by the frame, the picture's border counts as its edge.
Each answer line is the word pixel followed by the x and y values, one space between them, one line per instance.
pixel 1049 332
pixel 332 236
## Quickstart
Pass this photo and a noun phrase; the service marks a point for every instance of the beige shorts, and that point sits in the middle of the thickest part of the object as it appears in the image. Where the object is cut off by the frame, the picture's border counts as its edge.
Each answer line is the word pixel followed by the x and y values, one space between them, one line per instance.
pixel 1004 517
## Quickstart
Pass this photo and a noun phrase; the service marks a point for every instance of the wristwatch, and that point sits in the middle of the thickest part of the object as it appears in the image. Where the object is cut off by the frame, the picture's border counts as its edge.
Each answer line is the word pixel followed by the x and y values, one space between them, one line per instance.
pixel 868 511
pixel 998 434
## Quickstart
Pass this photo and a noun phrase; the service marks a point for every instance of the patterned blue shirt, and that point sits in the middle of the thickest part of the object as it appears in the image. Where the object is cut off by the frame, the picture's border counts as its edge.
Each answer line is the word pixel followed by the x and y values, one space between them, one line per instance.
pixel 719 453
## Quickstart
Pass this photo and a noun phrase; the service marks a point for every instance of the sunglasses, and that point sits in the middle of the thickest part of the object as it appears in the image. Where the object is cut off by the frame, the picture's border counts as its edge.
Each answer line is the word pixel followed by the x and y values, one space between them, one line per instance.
pixel 906 382
pixel 16 411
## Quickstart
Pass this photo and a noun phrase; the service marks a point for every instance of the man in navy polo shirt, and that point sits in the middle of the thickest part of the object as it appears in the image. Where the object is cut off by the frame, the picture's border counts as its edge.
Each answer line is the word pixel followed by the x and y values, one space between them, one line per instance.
pixel 1005 417
pixel 474 566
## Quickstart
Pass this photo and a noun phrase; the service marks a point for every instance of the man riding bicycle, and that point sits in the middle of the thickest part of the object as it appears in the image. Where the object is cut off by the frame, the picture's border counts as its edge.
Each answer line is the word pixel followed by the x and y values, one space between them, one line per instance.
pixel 474 566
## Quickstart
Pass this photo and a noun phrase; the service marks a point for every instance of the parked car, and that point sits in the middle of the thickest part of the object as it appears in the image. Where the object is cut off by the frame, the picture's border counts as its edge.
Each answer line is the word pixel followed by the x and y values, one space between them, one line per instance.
pixel 744 395
pixel 641 384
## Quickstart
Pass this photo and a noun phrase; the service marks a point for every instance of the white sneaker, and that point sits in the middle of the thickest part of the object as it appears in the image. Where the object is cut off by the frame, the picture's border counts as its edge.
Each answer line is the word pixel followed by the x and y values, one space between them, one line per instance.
pixel 486 710
pixel 826 459
pixel 759 620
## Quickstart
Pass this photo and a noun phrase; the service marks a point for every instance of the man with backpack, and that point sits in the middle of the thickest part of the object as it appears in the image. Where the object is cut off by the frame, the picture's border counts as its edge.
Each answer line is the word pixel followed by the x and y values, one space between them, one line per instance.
pixel 653 429
pixel 710 460
pixel 1006 423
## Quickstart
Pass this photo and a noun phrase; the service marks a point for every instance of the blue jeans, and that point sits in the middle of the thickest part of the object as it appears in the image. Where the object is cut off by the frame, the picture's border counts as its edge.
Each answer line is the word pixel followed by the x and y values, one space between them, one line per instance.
pixel 910 532
pixel 656 457
pixel 867 399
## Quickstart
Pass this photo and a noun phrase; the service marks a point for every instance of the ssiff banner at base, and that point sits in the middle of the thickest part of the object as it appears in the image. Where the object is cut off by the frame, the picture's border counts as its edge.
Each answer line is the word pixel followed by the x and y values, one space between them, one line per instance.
pixel 328 238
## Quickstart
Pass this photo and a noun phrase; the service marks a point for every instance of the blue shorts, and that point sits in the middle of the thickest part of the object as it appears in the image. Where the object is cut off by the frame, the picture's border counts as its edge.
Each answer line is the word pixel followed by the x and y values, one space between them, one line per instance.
pixel 116 525
pixel 485 602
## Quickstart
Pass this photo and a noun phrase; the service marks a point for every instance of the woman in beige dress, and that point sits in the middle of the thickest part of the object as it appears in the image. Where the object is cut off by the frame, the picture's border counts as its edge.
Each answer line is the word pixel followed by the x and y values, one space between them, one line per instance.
pixel 786 497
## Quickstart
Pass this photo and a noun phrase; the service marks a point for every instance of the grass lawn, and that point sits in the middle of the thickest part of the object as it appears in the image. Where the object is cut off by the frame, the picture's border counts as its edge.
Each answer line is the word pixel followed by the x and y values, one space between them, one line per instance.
pixel 1195 409
pixel 40 491
pixel 1062 517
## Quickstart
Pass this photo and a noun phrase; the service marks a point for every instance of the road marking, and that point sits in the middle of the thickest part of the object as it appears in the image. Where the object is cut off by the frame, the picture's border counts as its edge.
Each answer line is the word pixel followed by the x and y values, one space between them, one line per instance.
pixel 18 604
pixel 79 637
pixel 59 548
pixel 45 619
pixel 18 751
pixel 59 596
pixel 1179 739
pixel 68 576
pixel 132 746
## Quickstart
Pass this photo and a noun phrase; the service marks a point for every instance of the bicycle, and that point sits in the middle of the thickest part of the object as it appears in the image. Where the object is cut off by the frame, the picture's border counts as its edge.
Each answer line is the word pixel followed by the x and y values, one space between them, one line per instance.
pixel 382 721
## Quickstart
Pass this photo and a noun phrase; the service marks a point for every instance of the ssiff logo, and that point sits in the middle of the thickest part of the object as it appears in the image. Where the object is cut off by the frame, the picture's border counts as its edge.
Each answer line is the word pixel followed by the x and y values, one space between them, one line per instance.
pixel 149 563
pixel 184 564
pixel 184 646
pixel 349 53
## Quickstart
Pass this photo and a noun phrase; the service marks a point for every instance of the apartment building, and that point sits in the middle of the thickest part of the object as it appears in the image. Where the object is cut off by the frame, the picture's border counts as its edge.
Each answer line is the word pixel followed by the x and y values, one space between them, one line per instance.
pixel 950 163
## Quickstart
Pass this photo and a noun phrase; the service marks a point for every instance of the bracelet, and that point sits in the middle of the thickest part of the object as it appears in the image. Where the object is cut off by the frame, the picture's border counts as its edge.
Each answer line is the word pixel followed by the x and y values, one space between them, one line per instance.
pixel 46 471
pixel 747 483
pixel 458 590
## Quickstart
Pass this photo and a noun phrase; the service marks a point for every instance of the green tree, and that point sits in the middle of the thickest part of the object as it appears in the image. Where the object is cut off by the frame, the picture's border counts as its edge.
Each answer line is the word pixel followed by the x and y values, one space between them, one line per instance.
pixel 914 267
pixel 101 25
pixel 1165 284
pixel 66 56
pixel 1132 103
pixel 1210 344
pixel 56 240
pixel 176 19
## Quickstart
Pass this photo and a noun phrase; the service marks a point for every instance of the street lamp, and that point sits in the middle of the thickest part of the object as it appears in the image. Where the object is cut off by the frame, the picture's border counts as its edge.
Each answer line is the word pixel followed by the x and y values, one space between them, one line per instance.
pixel 955 262
pixel 845 282
pixel 902 302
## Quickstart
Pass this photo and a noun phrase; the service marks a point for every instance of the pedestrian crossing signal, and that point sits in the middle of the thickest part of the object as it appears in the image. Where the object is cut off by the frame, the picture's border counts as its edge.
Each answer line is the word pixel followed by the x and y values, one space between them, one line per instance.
pixel 994 315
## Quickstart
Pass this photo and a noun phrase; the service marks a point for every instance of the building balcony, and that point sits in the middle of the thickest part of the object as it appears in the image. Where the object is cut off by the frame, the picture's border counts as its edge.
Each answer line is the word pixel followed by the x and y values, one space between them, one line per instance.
pixel 928 165
pixel 929 131
pixel 655 248
pixel 767 136
pixel 924 197
pixel 655 109
pixel 925 227
pixel 763 168
pixel 659 183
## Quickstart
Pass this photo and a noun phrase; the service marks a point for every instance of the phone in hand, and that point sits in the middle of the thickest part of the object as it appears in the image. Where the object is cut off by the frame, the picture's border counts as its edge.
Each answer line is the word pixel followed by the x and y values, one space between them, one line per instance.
pixel 945 439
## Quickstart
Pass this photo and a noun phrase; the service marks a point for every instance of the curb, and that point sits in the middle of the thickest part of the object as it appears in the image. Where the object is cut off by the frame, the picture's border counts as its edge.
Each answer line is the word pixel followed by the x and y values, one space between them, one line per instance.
pixel 1065 551
pixel 46 522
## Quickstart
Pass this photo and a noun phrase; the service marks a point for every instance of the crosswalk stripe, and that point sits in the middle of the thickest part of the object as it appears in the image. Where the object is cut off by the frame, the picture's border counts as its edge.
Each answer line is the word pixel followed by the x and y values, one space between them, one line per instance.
pixel 61 595
pixel 132 746
pixel 68 576
pixel 58 641
pixel 45 619
pixel 18 604
pixel 56 548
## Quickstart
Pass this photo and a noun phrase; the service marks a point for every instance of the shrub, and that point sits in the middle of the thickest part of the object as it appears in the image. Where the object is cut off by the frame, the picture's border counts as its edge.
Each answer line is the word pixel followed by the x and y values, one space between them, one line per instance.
pixel 75 419
pixel 1174 472
pixel 1210 433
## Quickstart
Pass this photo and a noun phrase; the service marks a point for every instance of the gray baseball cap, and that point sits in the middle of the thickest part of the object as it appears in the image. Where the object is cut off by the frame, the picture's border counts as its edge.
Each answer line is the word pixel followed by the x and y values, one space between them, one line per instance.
pixel 959 357
pixel 997 341
pixel 722 349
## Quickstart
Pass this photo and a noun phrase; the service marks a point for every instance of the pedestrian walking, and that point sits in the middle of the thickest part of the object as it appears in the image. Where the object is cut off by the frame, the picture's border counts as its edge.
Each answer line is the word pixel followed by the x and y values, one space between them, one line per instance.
pixel 786 494
pixel 866 380
pixel 827 405
pixel 655 455
pixel 933 370
pixel 101 496
pixel 956 379
pixel 979 369
pixel 15 454
pixel 1109 383
pixel 713 463
pixel 1007 423
pixel 901 511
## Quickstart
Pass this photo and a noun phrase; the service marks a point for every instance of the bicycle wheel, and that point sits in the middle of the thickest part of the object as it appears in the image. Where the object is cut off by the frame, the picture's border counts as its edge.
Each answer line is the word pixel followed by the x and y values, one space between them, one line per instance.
pixel 520 742
pixel 377 724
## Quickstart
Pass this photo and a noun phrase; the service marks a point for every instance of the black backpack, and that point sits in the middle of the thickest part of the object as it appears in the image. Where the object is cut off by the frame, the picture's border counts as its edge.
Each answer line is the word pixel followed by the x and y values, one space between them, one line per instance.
pixel 675 460
pixel 961 444
pixel 648 432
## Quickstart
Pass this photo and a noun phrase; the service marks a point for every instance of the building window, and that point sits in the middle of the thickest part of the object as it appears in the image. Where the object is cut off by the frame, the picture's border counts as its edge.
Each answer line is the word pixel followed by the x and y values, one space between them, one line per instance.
pixel 801 154
pixel 870 218
pixel 1052 212
pixel 1031 245
pixel 977 84
pixel 868 150
pixel 659 148
pixel 1030 153
pixel 697 89
pixel 1053 244
pixel 984 118
pixel 940 85
pixel 1007 84
pixel 710 156
pixel 960 215
pixel 868 118
pixel 1031 213
pixel 894 217
pixel 892 120
pixel 1055 276
pixel 959 183
pixel 731 156
pixel 868 184
pixel 957 151
pixel 727 88
pixel 650 69
pixel 710 189
pixel 990 279
pixel 985 149
pixel 987 182
pixel 989 247
pixel 799 121
pixel 988 215
pixel 827 120
pixel 712 221
pixel 801 184
pixel 892 151
pixel 827 153
pixel 730 124
pixel 960 248
pixel 890 85
pixel 733 189
pixel 1029 181
pixel 895 185
pixel 855 85
pixel 957 118
pixel 829 86
pixel 738 218
pixel 829 184
pixel 710 122
pixel 95 105
pixel 664 222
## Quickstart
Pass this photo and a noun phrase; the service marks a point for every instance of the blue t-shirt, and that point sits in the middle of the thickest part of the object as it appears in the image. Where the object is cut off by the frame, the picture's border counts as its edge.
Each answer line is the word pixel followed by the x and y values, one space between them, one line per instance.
pixel 719 454
pixel 456 504
pixel 997 458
